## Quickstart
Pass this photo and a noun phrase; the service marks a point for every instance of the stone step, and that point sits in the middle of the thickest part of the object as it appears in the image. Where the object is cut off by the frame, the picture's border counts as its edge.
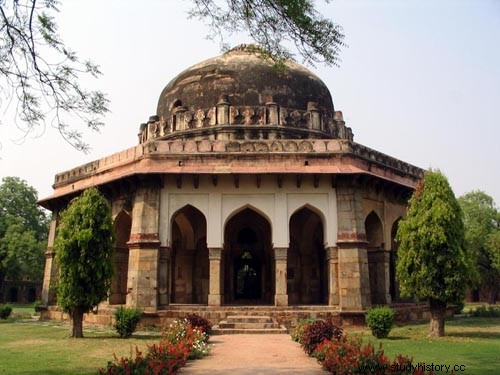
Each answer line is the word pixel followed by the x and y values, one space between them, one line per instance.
pixel 252 324
pixel 249 319
pixel 249 325
pixel 234 331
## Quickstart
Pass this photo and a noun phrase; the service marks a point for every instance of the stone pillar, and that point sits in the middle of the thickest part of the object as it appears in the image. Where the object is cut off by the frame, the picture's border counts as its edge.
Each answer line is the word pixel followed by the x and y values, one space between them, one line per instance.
pixel 223 110
pixel 314 119
pixel 280 260
pixel 50 272
pixel 164 275
pixel 144 245
pixel 215 285
pixel 354 281
pixel 272 112
pixel 333 285
pixel 386 270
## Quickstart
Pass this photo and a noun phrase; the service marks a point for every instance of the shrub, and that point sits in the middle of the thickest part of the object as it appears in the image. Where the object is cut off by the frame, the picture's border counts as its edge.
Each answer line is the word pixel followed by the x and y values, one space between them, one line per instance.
pixel 316 332
pixel 201 323
pixel 181 330
pixel 346 356
pixel 5 311
pixel 379 320
pixel 486 311
pixel 162 359
pixel 300 327
pixel 126 321
pixel 459 306
pixel 37 305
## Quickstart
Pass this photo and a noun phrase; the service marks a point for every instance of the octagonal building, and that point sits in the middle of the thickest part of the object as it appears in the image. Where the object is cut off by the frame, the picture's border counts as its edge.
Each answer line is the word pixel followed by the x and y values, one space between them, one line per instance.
pixel 246 192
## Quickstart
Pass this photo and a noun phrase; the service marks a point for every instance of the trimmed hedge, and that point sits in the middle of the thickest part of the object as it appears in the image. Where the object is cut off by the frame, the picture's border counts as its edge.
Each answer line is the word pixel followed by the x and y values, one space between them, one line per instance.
pixel 379 320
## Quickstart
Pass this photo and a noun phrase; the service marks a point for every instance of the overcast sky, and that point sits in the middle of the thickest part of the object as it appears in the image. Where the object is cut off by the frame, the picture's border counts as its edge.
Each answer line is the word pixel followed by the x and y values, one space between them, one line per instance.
pixel 420 81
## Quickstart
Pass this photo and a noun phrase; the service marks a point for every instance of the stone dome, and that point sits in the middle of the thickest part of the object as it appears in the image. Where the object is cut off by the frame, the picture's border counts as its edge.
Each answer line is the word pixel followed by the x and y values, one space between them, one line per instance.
pixel 245 79
pixel 241 95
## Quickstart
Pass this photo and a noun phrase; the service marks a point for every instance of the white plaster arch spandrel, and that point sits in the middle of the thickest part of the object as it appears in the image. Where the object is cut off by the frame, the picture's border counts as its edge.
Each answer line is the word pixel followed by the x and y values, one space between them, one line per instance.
pixel 263 204
pixel 178 201
pixel 319 204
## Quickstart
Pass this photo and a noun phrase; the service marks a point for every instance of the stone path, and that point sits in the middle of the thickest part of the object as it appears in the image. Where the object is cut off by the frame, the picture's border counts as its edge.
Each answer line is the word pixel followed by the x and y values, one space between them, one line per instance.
pixel 254 354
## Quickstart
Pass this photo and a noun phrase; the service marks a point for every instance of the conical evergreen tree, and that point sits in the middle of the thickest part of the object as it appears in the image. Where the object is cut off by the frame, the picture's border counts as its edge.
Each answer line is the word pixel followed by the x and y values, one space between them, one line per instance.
pixel 84 254
pixel 432 261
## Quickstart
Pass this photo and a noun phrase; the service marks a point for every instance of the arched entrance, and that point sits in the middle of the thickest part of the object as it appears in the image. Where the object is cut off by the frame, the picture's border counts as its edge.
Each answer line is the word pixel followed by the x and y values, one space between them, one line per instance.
pixel 190 266
pixel 376 258
pixel 122 226
pixel 248 265
pixel 306 268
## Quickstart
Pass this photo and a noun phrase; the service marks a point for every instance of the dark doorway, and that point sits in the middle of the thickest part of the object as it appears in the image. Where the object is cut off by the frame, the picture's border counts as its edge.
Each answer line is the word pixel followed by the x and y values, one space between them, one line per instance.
pixel 247 277
pixel 306 271
pixel 248 266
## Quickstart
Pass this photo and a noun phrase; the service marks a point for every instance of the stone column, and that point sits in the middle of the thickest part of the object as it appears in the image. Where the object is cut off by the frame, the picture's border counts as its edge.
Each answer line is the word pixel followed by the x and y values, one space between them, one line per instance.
pixel 144 245
pixel 386 270
pixel 215 285
pixel 50 272
pixel 164 275
pixel 333 285
pixel 280 260
pixel 354 281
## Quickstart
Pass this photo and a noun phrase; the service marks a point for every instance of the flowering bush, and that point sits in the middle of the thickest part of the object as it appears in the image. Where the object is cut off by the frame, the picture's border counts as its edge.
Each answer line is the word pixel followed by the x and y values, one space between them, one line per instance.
pixel 162 359
pixel 181 330
pixel 300 328
pixel 179 342
pixel 203 324
pixel 346 355
pixel 316 332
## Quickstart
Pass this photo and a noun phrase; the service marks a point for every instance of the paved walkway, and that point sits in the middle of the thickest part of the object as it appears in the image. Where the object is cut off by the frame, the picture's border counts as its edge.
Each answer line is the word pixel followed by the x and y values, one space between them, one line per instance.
pixel 254 354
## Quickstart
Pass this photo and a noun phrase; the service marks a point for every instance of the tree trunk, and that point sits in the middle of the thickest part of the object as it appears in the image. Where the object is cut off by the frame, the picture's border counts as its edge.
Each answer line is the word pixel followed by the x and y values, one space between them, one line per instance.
pixel 76 322
pixel 438 314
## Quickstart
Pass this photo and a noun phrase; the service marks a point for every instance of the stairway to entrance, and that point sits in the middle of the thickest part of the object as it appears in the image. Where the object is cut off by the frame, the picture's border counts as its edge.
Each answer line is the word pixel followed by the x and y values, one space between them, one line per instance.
pixel 253 324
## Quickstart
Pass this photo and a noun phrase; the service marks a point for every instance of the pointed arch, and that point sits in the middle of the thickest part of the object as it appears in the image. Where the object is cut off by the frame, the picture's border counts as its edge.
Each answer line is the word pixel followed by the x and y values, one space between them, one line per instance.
pixel 376 258
pixel 306 271
pixel 251 208
pixel 122 227
pixel 247 257
pixel 374 231
pixel 189 262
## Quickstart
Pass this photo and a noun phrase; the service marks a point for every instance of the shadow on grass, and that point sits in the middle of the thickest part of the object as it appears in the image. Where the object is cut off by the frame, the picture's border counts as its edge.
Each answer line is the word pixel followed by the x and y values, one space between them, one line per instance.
pixel 475 335
pixel 397 338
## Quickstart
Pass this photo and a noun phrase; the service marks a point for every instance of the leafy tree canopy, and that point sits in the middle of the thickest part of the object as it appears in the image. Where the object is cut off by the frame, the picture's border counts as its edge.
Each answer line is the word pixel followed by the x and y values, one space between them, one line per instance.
pixel 38 70
pixel 23 231
pixel 482 236
pixel 84 253
pixel 432 262
pixel 273 24
pixel 42 74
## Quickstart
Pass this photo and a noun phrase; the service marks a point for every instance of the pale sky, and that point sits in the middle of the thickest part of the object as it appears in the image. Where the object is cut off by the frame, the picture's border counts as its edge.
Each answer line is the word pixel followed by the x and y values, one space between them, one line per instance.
pixel 420 81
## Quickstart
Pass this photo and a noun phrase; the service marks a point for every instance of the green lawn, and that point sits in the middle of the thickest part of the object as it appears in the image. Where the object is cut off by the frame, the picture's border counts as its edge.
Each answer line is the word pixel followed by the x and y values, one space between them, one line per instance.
pixel 44 348
pixel 32 347
pixel 472 342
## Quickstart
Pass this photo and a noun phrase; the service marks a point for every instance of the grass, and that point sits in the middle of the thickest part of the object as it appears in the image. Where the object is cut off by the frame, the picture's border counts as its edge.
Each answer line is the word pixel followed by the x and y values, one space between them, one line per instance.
pixel 32 347
pixel 472 342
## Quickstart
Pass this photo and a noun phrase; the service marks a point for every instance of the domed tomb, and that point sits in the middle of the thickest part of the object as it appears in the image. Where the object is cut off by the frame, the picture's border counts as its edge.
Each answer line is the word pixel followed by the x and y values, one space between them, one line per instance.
pixel 242 95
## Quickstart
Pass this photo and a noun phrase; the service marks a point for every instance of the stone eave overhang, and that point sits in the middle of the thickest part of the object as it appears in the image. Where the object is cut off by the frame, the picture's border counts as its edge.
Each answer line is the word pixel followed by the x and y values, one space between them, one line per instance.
pixel 286 156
